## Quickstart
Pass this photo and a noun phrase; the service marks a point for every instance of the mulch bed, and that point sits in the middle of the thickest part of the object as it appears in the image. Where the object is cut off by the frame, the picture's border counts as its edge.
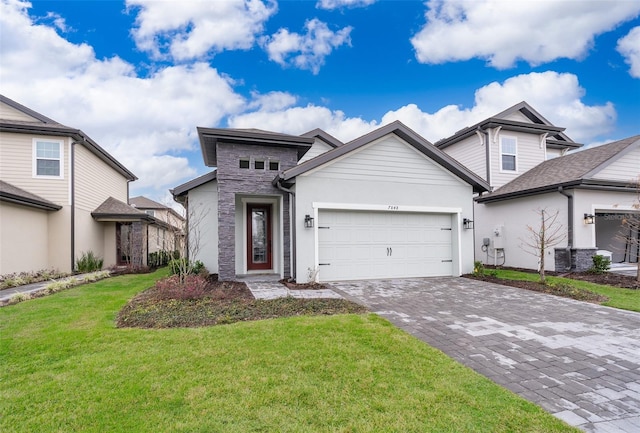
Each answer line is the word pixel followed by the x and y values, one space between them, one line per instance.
pixel 563 290
pixel 223 302
pixel 609 279
pixel 292 285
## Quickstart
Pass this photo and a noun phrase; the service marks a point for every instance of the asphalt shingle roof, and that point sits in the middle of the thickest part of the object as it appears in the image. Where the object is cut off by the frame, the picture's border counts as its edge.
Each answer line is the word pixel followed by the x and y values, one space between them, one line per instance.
pixel 569 168
pixel 14 194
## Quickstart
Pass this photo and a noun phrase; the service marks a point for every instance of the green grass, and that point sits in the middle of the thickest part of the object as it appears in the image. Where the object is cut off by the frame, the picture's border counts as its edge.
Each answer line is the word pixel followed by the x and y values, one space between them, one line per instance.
pixel 625 299
pixel 65 367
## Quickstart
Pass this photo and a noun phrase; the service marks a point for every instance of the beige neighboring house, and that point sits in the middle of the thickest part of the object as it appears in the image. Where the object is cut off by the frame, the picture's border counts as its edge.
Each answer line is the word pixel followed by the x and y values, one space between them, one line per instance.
pixel 168 232
pixel 531 164
pixel 61 195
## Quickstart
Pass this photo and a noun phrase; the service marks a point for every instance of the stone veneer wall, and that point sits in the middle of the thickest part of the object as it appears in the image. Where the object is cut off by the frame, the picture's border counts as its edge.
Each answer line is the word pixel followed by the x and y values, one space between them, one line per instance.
pixel 581 259
pixel 233 180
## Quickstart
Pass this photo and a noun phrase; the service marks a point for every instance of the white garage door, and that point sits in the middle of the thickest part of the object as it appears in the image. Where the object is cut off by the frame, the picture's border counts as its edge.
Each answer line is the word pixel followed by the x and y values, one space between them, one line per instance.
pixel 364 244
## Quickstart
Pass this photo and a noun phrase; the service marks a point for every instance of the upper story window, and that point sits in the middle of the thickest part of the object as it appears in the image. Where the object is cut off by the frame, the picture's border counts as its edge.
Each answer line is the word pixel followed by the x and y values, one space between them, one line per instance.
pixel 258 165
pixel 508 153
pixel 244 163
pixel 150 212
pixel 48 158
pixel 274 165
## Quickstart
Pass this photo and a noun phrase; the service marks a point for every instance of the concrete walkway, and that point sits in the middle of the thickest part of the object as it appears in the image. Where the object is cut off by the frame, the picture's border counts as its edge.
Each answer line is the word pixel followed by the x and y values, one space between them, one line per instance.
pixel 579 361
pixel 7 294
pixel 270 288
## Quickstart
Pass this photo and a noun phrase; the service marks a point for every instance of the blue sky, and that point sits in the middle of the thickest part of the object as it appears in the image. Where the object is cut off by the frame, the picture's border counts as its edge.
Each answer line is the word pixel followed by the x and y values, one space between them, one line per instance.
pixel 139 76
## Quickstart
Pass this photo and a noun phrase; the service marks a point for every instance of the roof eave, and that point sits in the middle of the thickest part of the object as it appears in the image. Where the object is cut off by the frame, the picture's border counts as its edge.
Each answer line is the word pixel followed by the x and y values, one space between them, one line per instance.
pixel 11 198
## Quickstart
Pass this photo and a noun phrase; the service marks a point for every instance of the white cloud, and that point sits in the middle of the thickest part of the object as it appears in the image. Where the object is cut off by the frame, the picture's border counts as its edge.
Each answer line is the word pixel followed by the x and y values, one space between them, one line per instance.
pixel 556 96
pixel 192 29
pixel 629 47
pixel 336 4
pixel 272 101
pixel 503 32
pixel 305 51
pixel 144 122
pixel 298 120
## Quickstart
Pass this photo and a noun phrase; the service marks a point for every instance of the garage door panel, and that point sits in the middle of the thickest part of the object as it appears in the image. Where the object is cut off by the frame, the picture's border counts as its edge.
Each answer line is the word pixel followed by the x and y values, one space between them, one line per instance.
pixel 362 244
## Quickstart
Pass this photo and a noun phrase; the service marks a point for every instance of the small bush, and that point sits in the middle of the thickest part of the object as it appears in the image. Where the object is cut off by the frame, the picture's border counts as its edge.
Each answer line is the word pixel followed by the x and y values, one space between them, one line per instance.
pixel 601 264
pixel 19 297
pixel 478 268
pixel 193 287
pixel 89 262
pixel 185 267
pixel 160 258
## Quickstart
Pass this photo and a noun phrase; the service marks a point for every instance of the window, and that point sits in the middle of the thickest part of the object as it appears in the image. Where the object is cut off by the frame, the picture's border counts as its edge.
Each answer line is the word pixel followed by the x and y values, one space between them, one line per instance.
pixel 258 165
pixel 47 157
pixel 508 151
pixel 274 165
pixel 244 163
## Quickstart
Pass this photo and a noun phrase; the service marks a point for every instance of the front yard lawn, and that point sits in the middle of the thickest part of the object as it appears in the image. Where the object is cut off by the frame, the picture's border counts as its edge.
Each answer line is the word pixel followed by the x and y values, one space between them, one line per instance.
pixel 66 367
pixel 617 297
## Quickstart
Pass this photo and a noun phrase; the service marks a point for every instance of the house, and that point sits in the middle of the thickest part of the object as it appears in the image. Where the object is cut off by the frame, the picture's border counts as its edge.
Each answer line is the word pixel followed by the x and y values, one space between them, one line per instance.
pixel 61 195
pixel 167 234
pixel 532 165
pixel 388 204
pixel 593 190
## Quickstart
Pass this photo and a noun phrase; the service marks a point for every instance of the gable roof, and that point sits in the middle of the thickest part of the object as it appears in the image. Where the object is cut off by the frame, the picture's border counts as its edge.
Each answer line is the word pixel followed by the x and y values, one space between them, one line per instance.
pixel 113 209
pixel 181 190
pixel 324 136
pixel 143 202
pixel 45 126
pixel 13 194
pixel 405 133
pixel 574 170
pixel 540 125
pixel 210 137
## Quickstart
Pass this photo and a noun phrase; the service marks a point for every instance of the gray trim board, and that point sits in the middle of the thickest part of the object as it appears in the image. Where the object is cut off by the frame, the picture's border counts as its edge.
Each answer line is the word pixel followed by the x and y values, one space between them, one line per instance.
pixel 324 136
pixel 181 190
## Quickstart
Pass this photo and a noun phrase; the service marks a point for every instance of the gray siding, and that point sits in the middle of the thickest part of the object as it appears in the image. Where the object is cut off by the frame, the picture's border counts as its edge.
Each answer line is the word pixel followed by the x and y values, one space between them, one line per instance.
pixel 233 181
pixel 471 153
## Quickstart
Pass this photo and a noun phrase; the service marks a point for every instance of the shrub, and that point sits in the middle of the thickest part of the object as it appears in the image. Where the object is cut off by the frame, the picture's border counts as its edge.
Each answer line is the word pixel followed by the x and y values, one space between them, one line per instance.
pixel 160 258
pixel 193 287
pixel 19 297
pixel 185 267
pixel 89 262
pixel 478 268
pixel 601 264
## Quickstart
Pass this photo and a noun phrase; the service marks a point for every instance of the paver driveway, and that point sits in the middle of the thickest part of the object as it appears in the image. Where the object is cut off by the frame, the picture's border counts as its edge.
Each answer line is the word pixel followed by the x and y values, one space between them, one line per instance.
pixel 579 361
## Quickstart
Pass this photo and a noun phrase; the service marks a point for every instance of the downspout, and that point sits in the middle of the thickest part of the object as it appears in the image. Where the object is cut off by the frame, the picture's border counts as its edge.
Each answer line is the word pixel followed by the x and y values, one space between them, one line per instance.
pixel 292 225
pixel 569 224
pixel 73 204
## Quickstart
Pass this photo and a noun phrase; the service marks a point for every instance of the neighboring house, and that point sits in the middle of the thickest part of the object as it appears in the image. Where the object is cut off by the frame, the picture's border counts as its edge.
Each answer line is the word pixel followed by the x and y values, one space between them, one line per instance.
pixel 531 165
pixel 593 190
pixel 388 204
pixel 168 232
pixel 61 194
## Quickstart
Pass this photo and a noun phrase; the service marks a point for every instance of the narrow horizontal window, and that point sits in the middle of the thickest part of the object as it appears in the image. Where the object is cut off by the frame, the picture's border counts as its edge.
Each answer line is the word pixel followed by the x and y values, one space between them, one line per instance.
pixel 258 165
pixel 244 163
pixel 274 165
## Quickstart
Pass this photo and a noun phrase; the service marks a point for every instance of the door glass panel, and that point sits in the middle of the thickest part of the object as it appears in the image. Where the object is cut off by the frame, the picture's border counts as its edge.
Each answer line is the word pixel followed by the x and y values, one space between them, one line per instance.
pixel 259 238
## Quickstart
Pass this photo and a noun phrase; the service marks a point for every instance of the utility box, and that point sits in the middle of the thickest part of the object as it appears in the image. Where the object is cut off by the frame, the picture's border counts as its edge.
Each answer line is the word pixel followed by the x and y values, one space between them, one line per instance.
pixel 498 237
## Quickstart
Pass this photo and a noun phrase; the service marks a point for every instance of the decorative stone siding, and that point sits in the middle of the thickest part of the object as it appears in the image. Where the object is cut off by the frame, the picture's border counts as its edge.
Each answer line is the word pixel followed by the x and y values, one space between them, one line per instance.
pixel 233 180
pixel 581 259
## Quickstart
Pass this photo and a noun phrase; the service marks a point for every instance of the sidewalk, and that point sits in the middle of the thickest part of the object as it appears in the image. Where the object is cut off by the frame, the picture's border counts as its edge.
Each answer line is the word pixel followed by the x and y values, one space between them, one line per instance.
pixel 7 294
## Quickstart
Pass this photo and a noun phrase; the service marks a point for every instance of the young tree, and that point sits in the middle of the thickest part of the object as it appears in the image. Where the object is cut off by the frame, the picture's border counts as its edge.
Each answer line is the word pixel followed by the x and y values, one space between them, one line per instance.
pixel 629 232
pixel 543 237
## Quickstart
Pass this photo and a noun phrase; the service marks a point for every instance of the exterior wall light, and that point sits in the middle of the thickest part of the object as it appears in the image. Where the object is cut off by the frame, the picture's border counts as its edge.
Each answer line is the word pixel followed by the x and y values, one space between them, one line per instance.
pixel 308 221
pixel 467 223
pixel 589 218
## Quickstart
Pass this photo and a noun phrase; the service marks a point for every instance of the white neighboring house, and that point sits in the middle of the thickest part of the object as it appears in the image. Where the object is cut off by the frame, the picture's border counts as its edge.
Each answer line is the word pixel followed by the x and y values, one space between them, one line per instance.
pixel 388 204
pixel 530 165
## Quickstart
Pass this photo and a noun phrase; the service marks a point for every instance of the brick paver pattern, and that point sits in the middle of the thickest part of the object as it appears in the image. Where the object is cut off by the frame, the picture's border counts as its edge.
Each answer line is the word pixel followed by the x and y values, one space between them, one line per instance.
pixel 579 361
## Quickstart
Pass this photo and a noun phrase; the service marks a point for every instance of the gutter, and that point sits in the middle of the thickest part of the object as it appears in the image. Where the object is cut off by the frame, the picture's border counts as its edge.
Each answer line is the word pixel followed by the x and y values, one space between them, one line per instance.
pixel 292 225
pixel 570 219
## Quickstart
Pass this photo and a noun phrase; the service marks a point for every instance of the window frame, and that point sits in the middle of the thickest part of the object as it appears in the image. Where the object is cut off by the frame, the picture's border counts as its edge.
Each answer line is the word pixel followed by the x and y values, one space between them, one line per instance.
pixel 259 161
pixel 244 160
pixel 277 165
pixel 35 158
pixel 515 154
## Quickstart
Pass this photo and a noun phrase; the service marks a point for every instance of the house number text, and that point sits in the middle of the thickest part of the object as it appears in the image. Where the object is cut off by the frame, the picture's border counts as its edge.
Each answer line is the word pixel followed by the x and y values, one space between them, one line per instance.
pixel 391 207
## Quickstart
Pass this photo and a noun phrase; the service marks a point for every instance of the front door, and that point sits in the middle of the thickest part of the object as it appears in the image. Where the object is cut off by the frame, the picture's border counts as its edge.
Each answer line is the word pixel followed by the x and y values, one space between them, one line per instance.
pixel 259 237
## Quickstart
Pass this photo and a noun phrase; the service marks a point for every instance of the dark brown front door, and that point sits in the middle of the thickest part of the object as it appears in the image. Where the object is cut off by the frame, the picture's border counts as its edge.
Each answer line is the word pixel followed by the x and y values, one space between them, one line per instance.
pixel 259 236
